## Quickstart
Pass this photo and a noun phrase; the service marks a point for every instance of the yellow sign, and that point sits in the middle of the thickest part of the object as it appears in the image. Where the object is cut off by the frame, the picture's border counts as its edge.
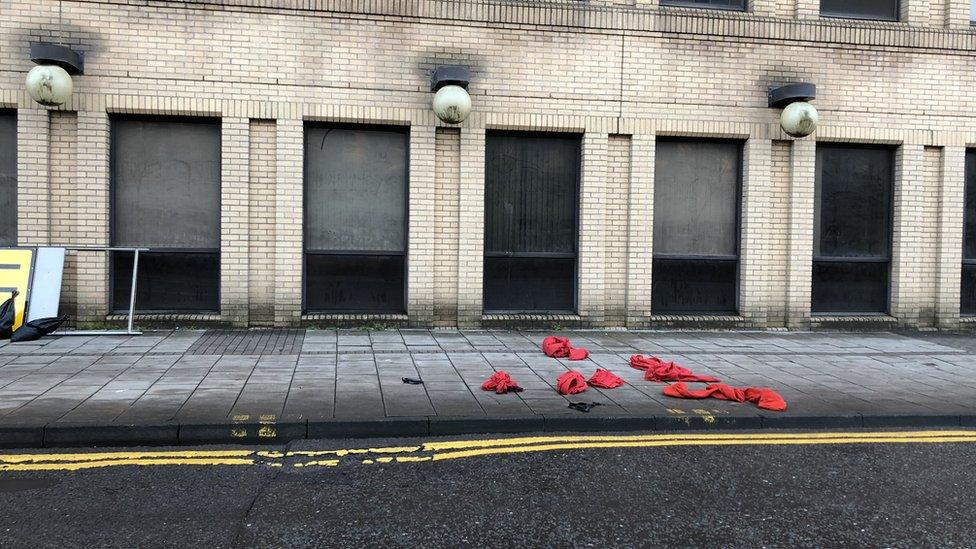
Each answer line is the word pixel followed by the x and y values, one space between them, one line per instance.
pixel 15 274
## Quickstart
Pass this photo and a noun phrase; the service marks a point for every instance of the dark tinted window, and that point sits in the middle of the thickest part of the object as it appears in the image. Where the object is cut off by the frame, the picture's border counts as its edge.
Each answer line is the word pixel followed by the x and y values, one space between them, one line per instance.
pixel 531 203
pixel 179 281
pixel 717 4
pixel 356 189
pixel 355 218
pixel 166 183
pixel 696 226
pixel 884 10
pixel 968 301
pixel 852 229
pixel 166 196
pixel 8 178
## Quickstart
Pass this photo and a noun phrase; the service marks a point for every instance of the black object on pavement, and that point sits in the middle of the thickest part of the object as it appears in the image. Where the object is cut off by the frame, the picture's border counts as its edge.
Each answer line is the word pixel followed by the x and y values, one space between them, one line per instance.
pixel 411 381
pixel 36 329
pixel 8 313
pixel 584 407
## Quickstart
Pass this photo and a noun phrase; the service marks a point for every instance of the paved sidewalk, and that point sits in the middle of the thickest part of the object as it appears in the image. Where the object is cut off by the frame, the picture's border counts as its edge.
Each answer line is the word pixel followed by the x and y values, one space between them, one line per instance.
pixel 273 385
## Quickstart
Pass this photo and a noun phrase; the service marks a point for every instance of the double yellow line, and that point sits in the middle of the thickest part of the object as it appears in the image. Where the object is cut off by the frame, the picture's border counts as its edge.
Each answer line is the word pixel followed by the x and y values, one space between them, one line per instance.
pixel 459 449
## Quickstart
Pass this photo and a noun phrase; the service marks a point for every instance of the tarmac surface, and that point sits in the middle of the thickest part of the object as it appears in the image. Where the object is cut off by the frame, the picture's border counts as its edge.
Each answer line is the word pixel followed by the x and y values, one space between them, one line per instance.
pixel 272 386
pixel 752 494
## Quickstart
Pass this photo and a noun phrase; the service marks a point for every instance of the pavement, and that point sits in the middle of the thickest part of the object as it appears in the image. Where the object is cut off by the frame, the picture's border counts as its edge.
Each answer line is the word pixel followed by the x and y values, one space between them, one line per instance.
pixel 716 492
pixel 274 386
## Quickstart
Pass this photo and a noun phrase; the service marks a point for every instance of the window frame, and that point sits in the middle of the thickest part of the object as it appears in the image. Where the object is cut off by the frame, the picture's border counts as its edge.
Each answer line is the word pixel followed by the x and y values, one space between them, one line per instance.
pixel 968 263
pixel 699 5
pixel 726 258
pixel 16 210
pixel 113 154
pixel 404 129
pixel 844 15
pixel 574 256
pixel 889 249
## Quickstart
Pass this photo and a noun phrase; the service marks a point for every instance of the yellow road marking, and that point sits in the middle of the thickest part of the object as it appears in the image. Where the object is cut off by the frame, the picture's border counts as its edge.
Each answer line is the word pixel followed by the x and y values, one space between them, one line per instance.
pixel 447 450
pixel 659 443
pixel 77 465
pixel 99 456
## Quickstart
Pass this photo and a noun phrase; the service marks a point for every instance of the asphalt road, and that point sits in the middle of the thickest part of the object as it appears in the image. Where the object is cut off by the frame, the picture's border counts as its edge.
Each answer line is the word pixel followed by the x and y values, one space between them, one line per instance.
pixel 753 495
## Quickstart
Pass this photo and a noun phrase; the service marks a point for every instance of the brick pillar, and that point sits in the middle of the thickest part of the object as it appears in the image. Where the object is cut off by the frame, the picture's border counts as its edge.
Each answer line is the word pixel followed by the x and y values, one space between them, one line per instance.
pixel 764 8
pixel 471 228
pixel 262 174
pixel 914 12
pixel 640 230
pixel 92 207
pixel 422 234
pixel 914 237
pixel 958 14
pixel 33 176
pixel 807 9
pixel 289 187
pixel 756 252
pixel 615 234
pixel 234 200
pixel 446 182
pixel 951 220
pixel 803 162
pixel 592 225
pixel 64 210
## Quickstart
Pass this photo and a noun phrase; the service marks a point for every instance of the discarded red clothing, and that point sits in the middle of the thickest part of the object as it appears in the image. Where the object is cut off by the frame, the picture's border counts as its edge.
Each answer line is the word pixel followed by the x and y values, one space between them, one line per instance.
pixel 605 379
pixel 501 383
pixel 559 347
pixel 763 397
pixel 656 369
pixel 570 383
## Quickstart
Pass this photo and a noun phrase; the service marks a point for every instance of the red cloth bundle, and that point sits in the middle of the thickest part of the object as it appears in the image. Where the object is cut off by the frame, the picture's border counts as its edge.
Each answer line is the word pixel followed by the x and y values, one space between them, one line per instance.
pixel 570 383
pixel 605 379
pixel 656 369
pixel 763 397
pixel 559 347
pixel 501 383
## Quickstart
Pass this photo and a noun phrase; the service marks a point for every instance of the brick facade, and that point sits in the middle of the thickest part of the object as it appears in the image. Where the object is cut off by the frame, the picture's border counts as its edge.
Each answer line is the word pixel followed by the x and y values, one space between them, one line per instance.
pixel 619 73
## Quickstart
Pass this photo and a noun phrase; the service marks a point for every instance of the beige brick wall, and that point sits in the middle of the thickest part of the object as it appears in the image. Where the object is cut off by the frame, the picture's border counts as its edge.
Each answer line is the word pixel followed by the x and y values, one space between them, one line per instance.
pixel 262 176
pixel 447 178
pixel 616 234
pixel 619 72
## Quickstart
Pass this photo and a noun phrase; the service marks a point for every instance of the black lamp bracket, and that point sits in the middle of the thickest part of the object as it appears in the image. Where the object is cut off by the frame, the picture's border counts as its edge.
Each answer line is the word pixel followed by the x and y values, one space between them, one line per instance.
pixel 45 53
pixel 447 75
pixel 791 93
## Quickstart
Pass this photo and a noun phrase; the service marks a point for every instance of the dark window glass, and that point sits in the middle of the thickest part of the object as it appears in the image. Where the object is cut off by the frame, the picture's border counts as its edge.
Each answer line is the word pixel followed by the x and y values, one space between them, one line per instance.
pixel 846 287
pixel 694 286
pixel 968 294
pixel 968 305
pixel 354 283
pixel 852 229
pixel 8 178
pixel 716 4
pixel 356 189
pixel 696 226
pixel 168 282
pixel 355 218
pixel 166 196
pixel 882 10
pixel 531 203
pixel 529 284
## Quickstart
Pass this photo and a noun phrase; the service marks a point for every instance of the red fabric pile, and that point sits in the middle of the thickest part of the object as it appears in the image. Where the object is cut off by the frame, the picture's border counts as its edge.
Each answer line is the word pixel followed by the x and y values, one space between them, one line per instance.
pixel 559 347
pixel 656 369
pixel 605 379
pixel 763 397
pixel 501 383
pixel 570 383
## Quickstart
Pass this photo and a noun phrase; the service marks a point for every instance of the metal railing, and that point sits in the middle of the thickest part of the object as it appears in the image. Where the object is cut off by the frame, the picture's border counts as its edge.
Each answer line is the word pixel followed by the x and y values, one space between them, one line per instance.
pixel 132 291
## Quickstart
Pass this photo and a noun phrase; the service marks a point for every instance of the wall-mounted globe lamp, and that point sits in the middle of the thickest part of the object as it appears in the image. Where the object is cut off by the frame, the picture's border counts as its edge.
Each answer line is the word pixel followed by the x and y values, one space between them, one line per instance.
pixel 49 83
pixel 452 104
pixel 799 118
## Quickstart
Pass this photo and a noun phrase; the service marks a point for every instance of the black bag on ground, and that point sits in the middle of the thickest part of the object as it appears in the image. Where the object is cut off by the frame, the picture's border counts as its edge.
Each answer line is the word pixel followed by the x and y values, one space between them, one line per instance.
pixel 8 313
pixel 35 329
